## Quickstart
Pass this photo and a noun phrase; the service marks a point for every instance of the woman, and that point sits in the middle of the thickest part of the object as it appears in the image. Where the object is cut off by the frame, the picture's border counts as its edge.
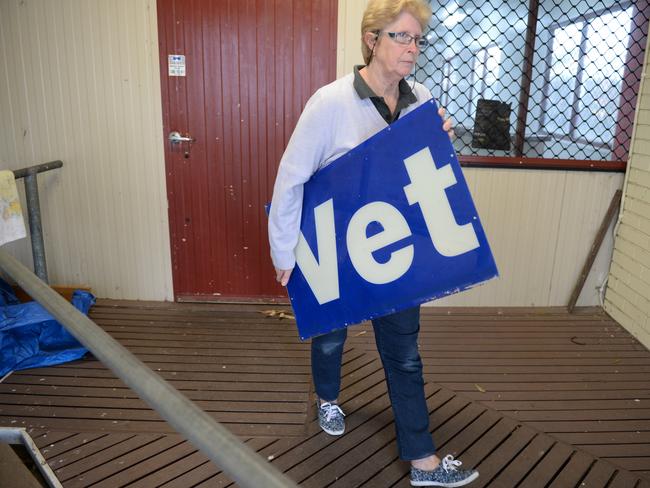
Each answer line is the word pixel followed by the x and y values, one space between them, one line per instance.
pixel 338 117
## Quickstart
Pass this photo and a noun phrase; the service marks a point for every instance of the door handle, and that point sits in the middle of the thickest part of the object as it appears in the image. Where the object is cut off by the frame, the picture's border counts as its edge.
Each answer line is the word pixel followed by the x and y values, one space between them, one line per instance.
pixel 175 137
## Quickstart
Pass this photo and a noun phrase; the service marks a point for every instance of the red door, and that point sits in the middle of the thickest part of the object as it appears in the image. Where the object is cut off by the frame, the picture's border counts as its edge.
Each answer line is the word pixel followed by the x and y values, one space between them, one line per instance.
pixel 242 71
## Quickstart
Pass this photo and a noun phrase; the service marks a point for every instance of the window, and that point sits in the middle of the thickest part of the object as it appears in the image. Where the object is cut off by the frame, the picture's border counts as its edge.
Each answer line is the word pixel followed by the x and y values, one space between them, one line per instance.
pixel 486 74
pixel 570 71
pixel 463 83
pixel 585 78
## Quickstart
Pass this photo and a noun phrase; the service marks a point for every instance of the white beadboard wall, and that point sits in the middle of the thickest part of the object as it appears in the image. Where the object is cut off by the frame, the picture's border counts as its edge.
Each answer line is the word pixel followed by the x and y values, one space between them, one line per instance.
pixel 628 292
pixel 540 225
pixel 349 35
pixel 79 81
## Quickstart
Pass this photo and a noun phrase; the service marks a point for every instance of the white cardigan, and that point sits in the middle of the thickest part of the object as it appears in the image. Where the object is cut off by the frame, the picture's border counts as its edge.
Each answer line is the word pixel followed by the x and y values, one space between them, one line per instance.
pixel 334 121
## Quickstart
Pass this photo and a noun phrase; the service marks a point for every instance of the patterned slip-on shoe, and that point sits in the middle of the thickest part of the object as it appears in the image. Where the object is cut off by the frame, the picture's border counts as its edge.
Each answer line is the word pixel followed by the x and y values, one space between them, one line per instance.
pixel 330 418
pixel 446 475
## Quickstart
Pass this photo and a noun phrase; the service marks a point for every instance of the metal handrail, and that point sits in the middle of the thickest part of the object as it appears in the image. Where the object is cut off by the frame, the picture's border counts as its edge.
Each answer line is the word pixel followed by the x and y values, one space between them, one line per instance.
pixel 38 168
pixel 34 213
pixel 237 460
pixel 19 435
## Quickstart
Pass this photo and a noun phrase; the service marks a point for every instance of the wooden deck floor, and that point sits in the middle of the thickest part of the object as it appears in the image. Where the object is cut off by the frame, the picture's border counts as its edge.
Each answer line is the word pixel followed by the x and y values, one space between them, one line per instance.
pixel 531 397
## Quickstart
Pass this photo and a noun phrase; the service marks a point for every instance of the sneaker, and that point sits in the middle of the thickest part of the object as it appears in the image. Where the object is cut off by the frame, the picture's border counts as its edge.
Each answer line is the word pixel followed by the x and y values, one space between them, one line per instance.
pixel 330 418
pixel 446 474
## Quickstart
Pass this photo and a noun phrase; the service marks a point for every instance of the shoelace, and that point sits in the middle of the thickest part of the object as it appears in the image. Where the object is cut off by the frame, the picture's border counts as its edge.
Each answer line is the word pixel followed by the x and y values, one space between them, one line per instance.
pixel 330 408
pixel 450 464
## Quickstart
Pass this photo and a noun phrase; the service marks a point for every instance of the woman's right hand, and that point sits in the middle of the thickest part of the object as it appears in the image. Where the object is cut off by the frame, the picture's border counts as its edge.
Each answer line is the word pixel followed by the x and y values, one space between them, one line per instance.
pixel 447 125
pixel 282 276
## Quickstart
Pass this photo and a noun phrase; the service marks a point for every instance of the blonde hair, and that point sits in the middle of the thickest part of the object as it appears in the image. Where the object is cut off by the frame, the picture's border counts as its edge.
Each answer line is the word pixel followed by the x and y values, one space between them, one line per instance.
pixel 380 13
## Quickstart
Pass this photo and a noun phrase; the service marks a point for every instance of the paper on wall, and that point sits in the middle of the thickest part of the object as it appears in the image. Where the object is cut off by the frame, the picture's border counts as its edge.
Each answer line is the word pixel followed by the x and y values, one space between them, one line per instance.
pixel 12 225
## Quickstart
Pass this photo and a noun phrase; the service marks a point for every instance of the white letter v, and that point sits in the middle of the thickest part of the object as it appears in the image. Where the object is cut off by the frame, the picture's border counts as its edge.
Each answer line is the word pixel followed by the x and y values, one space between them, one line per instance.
pixel 323 275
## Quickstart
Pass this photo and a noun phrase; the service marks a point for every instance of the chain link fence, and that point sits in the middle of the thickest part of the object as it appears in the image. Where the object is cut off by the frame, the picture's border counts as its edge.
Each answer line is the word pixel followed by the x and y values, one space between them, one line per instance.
pixel 540 79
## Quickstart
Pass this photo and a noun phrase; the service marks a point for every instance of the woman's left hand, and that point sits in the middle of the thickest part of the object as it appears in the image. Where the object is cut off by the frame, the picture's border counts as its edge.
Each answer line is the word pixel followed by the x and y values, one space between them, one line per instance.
pixel 447 124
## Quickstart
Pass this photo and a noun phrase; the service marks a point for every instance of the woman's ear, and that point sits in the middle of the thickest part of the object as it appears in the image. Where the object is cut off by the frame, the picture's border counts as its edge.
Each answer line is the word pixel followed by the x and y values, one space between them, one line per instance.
pixel 370 38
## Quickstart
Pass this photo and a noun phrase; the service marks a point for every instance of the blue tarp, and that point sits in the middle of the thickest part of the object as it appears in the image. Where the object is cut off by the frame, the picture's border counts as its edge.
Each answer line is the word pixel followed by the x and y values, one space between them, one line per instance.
pixel 30 337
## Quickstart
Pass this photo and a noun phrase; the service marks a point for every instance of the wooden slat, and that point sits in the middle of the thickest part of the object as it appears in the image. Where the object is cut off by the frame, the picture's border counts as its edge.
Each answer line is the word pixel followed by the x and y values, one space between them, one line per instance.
pixel 100 457
pixel 498 386
pixel 68 452
pixel 605 439
pixel 483 446
pixel 173 471
pixel 495 399
pixel 599 474
pixel 127 468
pixel 573 471
pixel 623 479
pixel 125 394
pixel 610 414
pixel 200 472
pixel 231 385
pixel 549 467
pixel 113 461
pixel 501 457
pixel 591 426
pixel 514 472
pixel 50 442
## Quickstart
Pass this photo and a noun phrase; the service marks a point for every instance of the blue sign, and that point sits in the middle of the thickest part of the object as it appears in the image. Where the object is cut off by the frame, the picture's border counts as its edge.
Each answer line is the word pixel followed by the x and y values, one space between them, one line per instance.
pixel 387 226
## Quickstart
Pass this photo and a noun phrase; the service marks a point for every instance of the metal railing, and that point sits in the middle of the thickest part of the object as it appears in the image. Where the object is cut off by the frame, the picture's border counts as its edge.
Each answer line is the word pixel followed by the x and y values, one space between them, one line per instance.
pixel 34 213
pixel 237 460
pixel 19 436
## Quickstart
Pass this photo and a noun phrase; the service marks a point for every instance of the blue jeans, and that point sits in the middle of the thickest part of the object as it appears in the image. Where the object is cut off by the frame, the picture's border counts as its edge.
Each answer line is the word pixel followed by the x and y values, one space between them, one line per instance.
pixel 396 336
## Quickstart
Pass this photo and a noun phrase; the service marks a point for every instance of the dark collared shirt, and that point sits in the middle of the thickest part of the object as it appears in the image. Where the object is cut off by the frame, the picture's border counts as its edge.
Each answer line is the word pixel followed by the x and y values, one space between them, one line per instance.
pixel 406 96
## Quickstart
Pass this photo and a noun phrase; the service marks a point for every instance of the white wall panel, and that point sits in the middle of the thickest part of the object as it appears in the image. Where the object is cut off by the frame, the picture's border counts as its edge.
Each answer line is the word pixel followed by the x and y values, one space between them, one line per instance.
pixel 541 225
pixel 79 82
pixel 628 292
pixel 349 35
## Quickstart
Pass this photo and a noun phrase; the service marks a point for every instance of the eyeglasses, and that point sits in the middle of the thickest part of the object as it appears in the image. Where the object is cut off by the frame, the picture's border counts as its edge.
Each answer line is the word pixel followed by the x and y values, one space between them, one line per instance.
pixel 405 38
